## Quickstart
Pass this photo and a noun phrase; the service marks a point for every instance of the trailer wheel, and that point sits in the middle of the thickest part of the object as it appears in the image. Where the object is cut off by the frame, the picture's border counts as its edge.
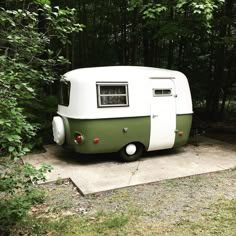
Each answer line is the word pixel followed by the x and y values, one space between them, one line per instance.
pixel 131 152
pixel 58 130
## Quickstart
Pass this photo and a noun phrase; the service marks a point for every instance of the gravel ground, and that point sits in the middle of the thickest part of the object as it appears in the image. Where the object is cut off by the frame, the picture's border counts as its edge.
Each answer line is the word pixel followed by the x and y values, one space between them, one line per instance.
pixel 168 201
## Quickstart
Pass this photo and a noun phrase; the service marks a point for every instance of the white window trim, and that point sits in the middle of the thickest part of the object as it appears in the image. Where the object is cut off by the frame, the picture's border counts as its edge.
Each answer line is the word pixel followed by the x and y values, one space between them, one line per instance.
pixel 125 84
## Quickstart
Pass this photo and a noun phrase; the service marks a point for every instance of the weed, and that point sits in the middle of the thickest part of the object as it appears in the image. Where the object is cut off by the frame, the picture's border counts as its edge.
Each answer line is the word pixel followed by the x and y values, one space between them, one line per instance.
pixel 197 179
pixel 219 221
pixel 170 183
pixel 114 222
pixel 59 181
pixel 102 223
pixel 18 192
pixel 234 168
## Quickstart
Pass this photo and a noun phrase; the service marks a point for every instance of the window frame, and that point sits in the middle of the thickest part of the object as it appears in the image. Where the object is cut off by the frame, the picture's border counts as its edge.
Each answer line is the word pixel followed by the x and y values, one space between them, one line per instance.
pixel 162 94
pixel 99 95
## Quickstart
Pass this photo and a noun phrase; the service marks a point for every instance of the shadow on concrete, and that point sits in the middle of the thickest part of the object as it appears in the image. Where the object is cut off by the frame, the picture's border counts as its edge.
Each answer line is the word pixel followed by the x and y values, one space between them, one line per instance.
pixel 102 172
pixel 71 157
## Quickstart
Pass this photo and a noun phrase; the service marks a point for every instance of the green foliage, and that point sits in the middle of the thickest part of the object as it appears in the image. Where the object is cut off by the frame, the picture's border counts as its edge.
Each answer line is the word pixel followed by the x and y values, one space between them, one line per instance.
pixel 27 67
pixel 59 181
pixel 15 177
pixel 190 36
pixel 28 63
pixel 17 192
pixel 42 2
pixel 152 11
pixel 117 221
pixel 102 224
pixel 13 210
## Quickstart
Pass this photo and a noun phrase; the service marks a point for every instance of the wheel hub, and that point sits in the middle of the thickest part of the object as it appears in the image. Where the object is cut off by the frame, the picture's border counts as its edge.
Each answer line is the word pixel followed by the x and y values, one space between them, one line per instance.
pixel 131 149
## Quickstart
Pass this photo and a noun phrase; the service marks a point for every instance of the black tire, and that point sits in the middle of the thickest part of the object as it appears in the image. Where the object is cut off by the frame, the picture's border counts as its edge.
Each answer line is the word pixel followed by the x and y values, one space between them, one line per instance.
pixel 134 157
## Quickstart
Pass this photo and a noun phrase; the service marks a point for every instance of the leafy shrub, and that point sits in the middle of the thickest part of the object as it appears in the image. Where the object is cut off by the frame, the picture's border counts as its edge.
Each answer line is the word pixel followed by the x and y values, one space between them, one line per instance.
pixel 28 63
pixel 18 193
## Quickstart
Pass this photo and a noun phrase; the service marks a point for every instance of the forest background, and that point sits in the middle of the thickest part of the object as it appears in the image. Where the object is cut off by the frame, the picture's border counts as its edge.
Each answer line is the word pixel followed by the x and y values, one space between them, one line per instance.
pixel 42 39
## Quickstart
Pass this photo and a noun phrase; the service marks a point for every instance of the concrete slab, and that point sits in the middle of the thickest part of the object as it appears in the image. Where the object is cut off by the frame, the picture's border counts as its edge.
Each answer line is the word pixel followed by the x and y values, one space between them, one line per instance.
pixel 96 173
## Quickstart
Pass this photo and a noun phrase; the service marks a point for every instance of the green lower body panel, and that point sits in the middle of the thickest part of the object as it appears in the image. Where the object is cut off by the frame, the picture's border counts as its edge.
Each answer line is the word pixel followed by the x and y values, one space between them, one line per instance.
pixel 112 134
pixel 183 124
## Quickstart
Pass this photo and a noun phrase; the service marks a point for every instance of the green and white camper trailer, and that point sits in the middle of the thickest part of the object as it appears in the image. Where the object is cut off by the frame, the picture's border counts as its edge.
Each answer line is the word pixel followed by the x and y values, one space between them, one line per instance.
pixel 125 109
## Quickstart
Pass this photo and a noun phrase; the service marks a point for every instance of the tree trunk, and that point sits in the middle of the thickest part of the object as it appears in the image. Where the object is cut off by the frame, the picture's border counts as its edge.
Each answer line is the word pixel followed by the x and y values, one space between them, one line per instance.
pixel 171 42
pixel 124 33
pixel 145 47
pixel 218 82
pixel 180 53
pixel 134 44
pixel 145 41
pixel 170 54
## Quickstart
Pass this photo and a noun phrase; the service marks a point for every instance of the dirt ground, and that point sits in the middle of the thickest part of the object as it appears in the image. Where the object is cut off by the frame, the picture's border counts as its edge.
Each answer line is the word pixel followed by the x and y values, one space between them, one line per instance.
pixel 165 202
pixel 168 200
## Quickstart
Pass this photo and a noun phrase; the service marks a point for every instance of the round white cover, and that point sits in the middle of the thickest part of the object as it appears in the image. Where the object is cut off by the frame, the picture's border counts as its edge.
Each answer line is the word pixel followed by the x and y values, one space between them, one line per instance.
pixel 58 130
pixel 131 149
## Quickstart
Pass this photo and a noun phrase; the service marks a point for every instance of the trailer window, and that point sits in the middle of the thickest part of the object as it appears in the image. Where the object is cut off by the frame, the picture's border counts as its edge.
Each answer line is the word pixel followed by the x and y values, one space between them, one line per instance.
pixel 112 95
pixel 64 93
pixel 161 92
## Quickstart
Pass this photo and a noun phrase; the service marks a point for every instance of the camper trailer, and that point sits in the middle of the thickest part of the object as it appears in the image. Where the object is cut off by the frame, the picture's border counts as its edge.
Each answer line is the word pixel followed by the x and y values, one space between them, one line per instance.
pixel 125 109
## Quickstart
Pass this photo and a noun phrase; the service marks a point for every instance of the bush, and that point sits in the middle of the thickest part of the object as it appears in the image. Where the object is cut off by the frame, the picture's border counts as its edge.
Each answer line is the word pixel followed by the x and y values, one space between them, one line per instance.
pixel 18 193
pixel 28 63
pixel 27 68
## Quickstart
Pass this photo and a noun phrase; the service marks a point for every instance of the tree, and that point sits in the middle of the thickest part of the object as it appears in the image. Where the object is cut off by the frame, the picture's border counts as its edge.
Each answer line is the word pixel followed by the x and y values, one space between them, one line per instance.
pixel 223 73
pixel 26 72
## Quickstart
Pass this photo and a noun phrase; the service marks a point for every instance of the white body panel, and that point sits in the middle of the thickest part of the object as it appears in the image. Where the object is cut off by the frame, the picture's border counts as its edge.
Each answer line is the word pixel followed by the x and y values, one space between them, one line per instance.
pixel 83 94
pixel 163 116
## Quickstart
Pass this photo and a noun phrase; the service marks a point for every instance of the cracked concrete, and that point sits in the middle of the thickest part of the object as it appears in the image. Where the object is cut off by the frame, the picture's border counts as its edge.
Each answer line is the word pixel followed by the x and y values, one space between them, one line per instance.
pixel 96 173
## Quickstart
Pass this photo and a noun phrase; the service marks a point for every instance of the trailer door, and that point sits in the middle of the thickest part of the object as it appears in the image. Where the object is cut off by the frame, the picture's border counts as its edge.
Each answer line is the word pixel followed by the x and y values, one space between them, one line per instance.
pixel 163 114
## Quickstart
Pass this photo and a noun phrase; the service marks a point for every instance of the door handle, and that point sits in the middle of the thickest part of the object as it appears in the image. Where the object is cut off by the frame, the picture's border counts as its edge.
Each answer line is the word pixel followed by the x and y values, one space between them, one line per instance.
pixel 154 116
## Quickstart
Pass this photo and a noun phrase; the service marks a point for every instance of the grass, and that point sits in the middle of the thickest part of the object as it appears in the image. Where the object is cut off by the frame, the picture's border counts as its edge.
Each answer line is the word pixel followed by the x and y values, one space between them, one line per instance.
pixel 101 224
pixel 215 218
pixel 219 220
pixel 234 168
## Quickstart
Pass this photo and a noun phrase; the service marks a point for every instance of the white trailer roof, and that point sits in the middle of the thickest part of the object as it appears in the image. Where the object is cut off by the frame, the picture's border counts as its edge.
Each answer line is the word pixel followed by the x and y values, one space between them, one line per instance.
pixel 116 72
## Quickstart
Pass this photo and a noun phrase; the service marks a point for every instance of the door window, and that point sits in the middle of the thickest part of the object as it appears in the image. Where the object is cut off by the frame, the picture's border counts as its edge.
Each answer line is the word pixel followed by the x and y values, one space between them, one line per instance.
pixel 162 92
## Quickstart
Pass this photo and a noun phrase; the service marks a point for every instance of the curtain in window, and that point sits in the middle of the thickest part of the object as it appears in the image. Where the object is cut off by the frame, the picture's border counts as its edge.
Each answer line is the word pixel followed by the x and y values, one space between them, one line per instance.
pixel 113 95
pixel 112 90
pixel 113 100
